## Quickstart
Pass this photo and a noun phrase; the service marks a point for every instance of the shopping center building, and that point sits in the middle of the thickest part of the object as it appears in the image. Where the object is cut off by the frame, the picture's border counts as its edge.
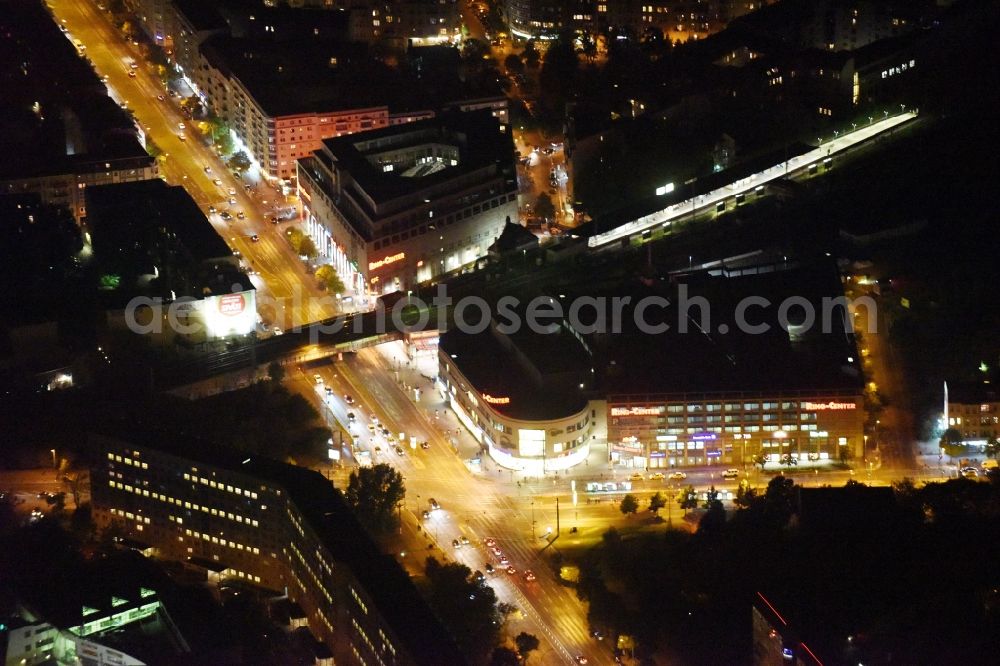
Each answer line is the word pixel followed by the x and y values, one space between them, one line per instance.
pixel 705 392
pixel 524 397
pixel 404 204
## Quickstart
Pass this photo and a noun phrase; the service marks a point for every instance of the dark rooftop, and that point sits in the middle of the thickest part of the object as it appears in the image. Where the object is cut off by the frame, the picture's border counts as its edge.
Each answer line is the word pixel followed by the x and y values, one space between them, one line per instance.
pixel 476 134
pixel 513 237
pixel 75 124
pixel 201 15
pixel 540 373
pixel 123 216
pixel 973 393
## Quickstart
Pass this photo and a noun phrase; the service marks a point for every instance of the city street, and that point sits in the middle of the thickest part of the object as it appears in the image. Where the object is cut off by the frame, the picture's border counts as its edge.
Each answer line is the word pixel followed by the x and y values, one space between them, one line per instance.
pixel 472 506
pixel 285 292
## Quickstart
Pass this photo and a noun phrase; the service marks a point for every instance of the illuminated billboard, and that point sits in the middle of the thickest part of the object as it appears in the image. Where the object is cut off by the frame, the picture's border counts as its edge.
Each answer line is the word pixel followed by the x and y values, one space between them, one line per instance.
pixel 530 443
pixel 226 315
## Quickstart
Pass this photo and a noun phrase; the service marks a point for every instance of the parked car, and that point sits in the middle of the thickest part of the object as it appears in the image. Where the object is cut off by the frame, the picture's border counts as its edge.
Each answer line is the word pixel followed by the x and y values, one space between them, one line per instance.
pixel 656 476
pixel 731 473
pixel 678 476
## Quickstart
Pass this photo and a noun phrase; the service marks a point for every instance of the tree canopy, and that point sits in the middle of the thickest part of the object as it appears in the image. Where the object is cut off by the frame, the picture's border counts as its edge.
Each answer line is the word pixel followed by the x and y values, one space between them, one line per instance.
pixel 374 492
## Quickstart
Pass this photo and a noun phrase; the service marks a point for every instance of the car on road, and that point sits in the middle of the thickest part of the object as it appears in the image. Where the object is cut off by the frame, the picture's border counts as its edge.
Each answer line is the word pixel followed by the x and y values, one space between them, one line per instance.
pixel 208 169
pixel 241 215
pixel 580 659
pixel 426 514
pixel 217 182
pixel 349 400
pixel 350 416
pixel 490 542
pixel 496 551
pixel 636 477
pixel 212 209
pixel 434 504
pixel 464 540
pixel 970 472
pixel 318 378
pixel 255 238
pixel 425 445
pixel 598 634
pixel 371 427
pixel 455 543
pixel 184 138
pixel 131 73
pixel 161 98
pixel 226 215
pixel 529 575
pixel 329 390
pixel 504 561
pixel 656 476
pixel 278 331
pixel 489 569
pixel 512 571
pixel 678 476
pixel 232 201
pixel 731 473
pixel 181 126
pixel 399 450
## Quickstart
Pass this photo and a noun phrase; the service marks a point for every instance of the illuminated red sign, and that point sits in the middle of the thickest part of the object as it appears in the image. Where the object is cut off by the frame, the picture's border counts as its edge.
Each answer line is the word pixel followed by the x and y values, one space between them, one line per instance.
pixel 232 304
pixel 828 406
pixel 494 400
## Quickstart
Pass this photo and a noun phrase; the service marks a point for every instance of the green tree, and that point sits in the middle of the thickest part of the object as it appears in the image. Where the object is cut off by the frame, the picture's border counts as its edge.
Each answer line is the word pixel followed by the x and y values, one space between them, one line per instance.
pixel 779 499
pixel 526 644
pixel 153 149
pixel 745 495
pixel 308 248
pixel 466 605
pixel 375 492
pixel 295 237
pixel 531 55
pixel 544 207
pixel 711 497
pixel 240 161
pixel 951 443
pixel 688 498
pixel 789 461
pixel 327 275
pixel 276 372
pixel 588 46
pixel 760 460
pixel 992 448
pixel 629 504
pixel 513 64
pixel 474 49
pixel 657 502
pixel 504 656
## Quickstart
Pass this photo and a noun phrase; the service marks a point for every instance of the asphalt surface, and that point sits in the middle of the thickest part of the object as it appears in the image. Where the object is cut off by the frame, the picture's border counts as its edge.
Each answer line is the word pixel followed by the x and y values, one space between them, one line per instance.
pixel 286 294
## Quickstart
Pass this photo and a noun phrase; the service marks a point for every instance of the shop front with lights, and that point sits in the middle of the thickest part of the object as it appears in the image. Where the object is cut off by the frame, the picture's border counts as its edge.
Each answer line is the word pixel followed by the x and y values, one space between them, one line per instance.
pixel 516 434
pixel 733 428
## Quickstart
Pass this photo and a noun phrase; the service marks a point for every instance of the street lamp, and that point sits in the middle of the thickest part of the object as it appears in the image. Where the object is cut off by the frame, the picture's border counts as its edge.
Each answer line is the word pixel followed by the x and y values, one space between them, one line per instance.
pixel 53 451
